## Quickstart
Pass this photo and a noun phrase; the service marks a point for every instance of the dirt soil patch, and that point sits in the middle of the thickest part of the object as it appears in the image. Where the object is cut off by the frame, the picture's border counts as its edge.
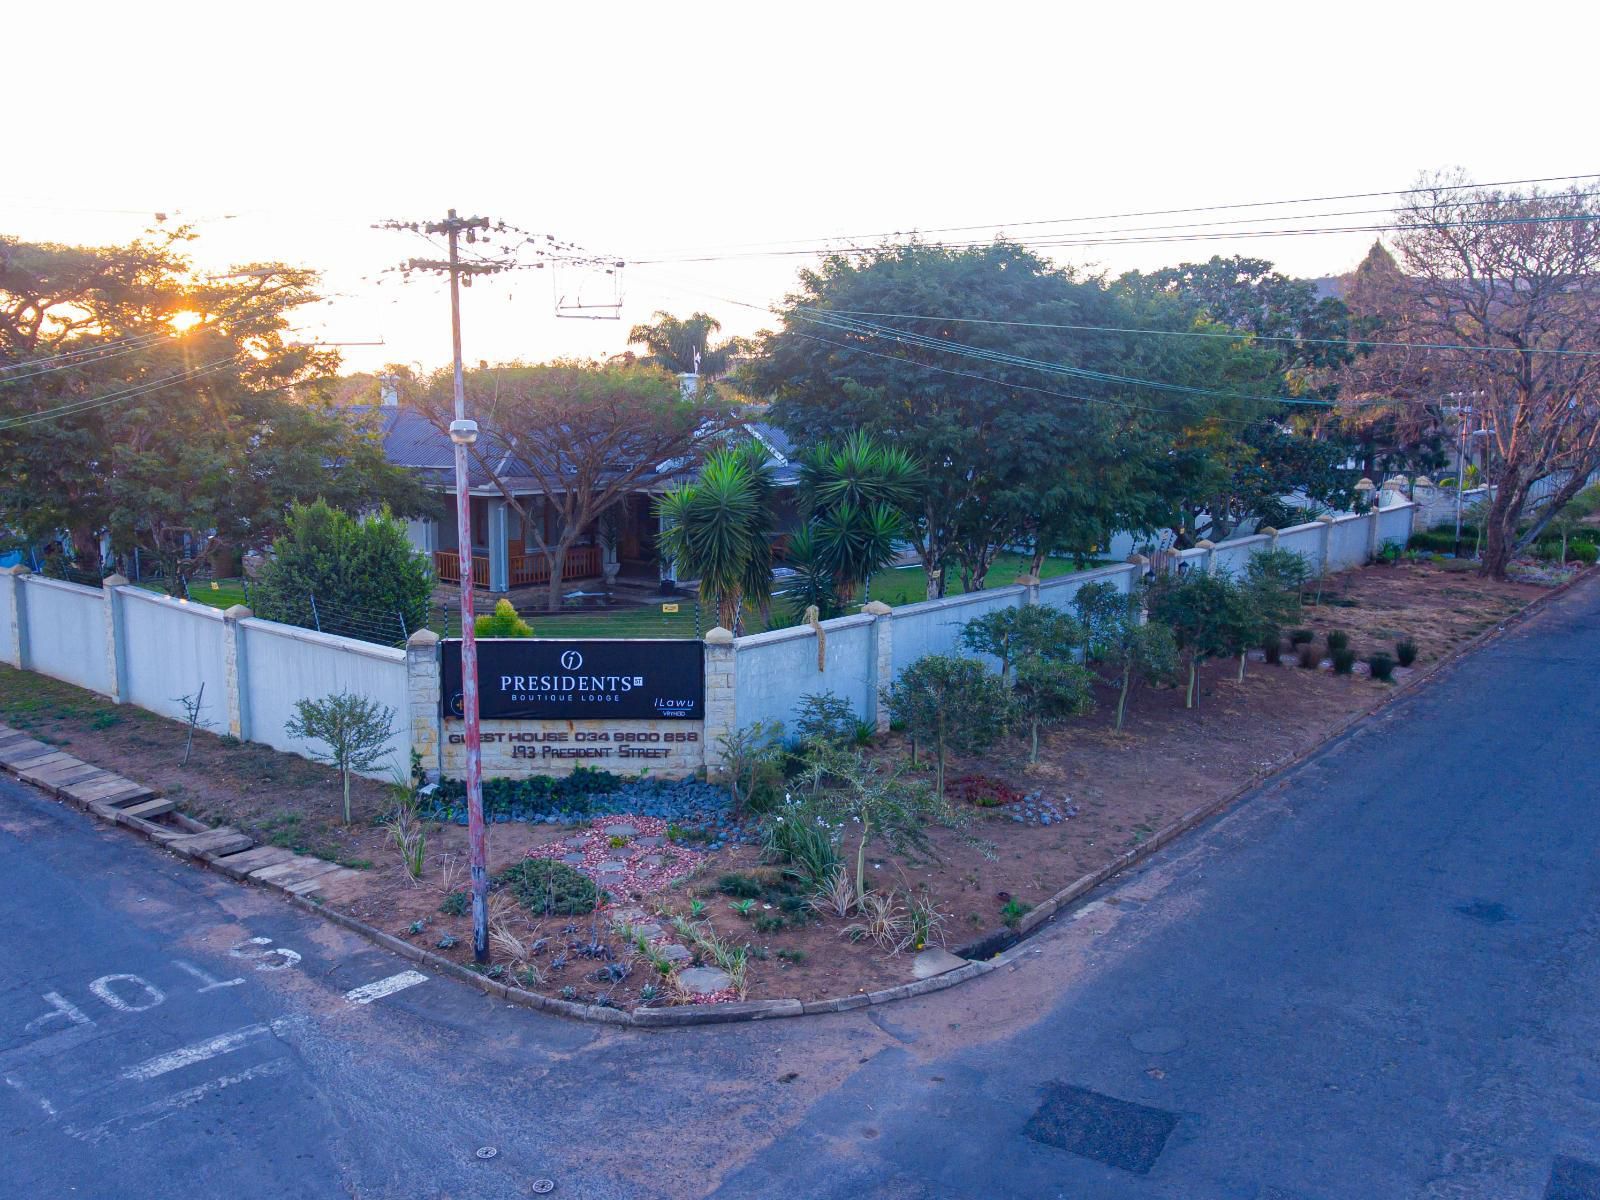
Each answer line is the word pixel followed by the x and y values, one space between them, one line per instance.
pixel 1094 794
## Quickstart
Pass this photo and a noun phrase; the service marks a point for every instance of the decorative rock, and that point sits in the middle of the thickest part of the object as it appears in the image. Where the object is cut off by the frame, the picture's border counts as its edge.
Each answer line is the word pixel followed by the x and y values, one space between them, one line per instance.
pixel 676 953
pixel 572 860
pixel 622 830
pixel 649 932
pixel 934 961
pixel 703 981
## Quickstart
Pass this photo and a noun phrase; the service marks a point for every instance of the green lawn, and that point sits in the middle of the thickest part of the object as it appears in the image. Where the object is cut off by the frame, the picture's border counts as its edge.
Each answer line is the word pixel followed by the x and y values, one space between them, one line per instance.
pixel 894 587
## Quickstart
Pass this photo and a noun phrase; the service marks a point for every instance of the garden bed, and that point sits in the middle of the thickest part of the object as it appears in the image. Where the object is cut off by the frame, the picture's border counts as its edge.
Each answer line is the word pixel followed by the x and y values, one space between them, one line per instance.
pixel 673 851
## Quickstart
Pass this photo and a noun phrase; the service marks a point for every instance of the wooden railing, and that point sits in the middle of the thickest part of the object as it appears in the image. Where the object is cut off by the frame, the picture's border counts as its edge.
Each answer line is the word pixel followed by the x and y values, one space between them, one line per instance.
pixel 582 562
pixel 447 568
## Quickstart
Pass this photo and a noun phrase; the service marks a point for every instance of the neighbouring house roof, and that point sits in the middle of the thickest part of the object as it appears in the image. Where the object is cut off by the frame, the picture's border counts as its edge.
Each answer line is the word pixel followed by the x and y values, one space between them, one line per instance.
pixel 411 440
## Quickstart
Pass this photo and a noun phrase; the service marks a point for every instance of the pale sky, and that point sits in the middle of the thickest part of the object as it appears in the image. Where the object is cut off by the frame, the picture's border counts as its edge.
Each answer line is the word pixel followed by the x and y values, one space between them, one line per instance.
pixel 637 129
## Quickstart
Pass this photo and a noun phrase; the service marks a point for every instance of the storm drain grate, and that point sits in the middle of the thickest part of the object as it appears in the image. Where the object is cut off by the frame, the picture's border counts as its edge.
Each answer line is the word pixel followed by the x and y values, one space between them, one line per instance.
pixel 1573 1179
pixel 1111 1131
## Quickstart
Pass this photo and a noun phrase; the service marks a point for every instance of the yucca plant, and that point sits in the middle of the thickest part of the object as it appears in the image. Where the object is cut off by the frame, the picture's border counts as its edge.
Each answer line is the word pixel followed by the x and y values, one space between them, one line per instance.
pixel 854 495
pixel 719 529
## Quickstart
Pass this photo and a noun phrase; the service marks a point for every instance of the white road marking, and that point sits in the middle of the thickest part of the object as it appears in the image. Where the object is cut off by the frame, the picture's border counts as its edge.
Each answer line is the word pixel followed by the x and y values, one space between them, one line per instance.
pixel 102 987
pixel 252 948
pixel 62 1009
pixel 49 1109
pixel 368 992
pixel 210 981
pixel 162 1109
pixel 187 1056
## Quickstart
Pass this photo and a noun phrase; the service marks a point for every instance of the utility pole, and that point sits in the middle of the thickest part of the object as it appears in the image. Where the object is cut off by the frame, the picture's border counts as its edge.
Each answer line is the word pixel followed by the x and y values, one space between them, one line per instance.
pixel 463 433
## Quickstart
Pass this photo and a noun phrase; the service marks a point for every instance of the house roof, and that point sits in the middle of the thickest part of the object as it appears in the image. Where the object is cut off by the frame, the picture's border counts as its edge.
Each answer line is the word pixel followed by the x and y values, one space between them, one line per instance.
pixel 411 440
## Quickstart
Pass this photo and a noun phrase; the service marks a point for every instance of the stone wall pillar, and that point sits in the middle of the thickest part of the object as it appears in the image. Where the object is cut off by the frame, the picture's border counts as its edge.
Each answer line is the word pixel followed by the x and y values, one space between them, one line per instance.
pixel 15 578
pixel 1326 521
pixel 422 700
pixel 1371 517
pixel 1031 583
pixel 235 679
pixel 1271 533
pixel 116 655
pixel 722 714
pixel 1209 563
pixel 883 660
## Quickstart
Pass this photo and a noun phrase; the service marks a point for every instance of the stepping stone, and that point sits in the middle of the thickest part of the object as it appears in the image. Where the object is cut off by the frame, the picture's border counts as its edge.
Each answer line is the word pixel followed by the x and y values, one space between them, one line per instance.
pixel 702 981
pixel 626 831
pixel 611 866
pixel 650 842
pixel 577 843
pixel 572 860
pixel 934 961
pixel 629 915
pixel 651 860
pixel 648 932
pixel 675 953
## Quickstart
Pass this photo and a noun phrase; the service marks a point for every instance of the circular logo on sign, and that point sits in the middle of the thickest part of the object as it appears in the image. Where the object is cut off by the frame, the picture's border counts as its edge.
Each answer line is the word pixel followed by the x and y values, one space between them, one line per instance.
pixel 571 660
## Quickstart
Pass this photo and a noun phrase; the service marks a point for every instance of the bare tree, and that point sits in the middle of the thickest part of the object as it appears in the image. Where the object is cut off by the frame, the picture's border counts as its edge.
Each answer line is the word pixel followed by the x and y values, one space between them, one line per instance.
pixel 1512 281
pixel 580 435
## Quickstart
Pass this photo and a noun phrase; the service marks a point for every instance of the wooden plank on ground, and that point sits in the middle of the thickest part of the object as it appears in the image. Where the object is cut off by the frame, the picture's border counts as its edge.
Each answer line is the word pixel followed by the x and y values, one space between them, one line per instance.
pixel 151 808
pixel 46 774
pixel 301 868
pixel 89 790
pixel 64 775
pixel 164 834
pixel 222 840
pixel 16 753
pixel 241 864
pixel 35 762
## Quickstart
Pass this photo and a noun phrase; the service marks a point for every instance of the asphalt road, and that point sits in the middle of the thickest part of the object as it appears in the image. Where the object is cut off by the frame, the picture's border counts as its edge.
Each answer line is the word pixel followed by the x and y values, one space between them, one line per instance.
pixel 1375 978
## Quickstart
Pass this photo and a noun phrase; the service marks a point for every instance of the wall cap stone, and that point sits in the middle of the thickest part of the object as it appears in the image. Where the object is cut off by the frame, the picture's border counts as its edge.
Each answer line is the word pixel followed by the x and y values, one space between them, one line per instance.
pixel 877 608
pixel 421 638
pixel 718 636
pixel 1327 518
pixel 237 612
pixel 19 569
pixel 1205 544
pixel 113 581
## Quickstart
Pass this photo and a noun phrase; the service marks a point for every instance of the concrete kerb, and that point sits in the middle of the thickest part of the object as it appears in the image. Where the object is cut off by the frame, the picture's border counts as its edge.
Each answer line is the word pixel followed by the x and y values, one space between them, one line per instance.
pixel 755 1010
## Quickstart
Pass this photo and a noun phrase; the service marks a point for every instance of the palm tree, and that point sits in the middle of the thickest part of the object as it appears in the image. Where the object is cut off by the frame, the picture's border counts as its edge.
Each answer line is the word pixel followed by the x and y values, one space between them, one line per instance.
pixel 855 496
pixel 675 343
pixel 719 529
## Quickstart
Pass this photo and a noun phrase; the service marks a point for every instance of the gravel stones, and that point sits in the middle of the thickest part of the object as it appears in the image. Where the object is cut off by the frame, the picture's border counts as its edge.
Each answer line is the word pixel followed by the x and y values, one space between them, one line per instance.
pixel 1033 809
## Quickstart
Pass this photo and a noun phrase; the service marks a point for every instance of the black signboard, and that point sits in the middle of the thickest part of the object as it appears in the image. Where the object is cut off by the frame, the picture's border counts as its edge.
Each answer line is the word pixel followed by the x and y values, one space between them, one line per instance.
pixel 593 680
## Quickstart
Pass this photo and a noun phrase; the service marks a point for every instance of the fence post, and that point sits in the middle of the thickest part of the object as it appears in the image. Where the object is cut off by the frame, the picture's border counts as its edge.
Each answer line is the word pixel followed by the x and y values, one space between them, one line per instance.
pixel 235 677
pixel 1271 533
pixel 1031 583
pixel 422 697
pixel 116 656
pixel 1326 521
pixel 1372 534
pixel 883 660
pixel 1210 548
pixel 722 713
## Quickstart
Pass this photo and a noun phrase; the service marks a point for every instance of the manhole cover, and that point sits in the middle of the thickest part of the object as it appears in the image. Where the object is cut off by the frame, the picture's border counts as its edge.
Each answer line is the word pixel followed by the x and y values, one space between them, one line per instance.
pixel 541 1186
pixel 1116 1132
pixel 1573 1179
pixel 487 1152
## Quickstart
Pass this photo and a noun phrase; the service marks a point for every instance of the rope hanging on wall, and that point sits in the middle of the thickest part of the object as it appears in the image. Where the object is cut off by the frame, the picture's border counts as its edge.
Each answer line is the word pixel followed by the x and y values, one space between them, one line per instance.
pixel 811 615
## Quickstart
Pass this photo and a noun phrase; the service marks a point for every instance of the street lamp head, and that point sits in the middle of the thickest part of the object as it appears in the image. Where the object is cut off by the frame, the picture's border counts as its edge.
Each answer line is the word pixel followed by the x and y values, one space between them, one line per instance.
pixel 463 433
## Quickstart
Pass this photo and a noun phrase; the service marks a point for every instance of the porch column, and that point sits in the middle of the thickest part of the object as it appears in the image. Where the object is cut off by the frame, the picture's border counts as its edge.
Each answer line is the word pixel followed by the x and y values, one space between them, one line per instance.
pixel 669 566
pixel 499 549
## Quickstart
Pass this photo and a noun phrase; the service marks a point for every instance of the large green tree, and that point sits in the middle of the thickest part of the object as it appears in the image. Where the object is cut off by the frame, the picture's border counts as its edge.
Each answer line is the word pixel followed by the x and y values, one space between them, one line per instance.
pixel 683 344
pixel 174 410
pixel 1035 412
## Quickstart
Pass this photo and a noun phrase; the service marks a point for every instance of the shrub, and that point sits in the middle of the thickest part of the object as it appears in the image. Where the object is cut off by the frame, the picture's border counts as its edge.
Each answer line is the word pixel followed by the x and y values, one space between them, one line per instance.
pixel 1309 656
pixel 1210 616
pixel 1406 652
pixel 952 704
pixel 1301 637
pixel 548 887
pixel 1382 666
pixel 1338 640
pixel 1584 552
pixel 801 838
pixel 1011 634
pixel 741 887
pixel 502 623
pixel 825 717
pixel 366 576
pixel 1344 660
pixel 1048 691
pixel 456 904
pixel 752 760
pixel 985 792
pixel 1273 648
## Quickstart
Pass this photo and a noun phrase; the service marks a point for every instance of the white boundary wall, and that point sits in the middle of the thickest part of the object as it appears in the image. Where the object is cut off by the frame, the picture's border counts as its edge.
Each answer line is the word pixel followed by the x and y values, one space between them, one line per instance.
pixel 140 648
pixel 136 647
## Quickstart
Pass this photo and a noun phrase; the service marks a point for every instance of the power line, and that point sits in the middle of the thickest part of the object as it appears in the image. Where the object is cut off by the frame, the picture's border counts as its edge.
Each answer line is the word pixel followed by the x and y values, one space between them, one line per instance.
pixel 141 338
pixel 1240 335
pixel 80 406
pixel 1161 212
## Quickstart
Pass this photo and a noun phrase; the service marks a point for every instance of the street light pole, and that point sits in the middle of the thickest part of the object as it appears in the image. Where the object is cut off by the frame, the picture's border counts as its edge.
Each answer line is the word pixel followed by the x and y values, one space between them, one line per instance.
pixel 1461 470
